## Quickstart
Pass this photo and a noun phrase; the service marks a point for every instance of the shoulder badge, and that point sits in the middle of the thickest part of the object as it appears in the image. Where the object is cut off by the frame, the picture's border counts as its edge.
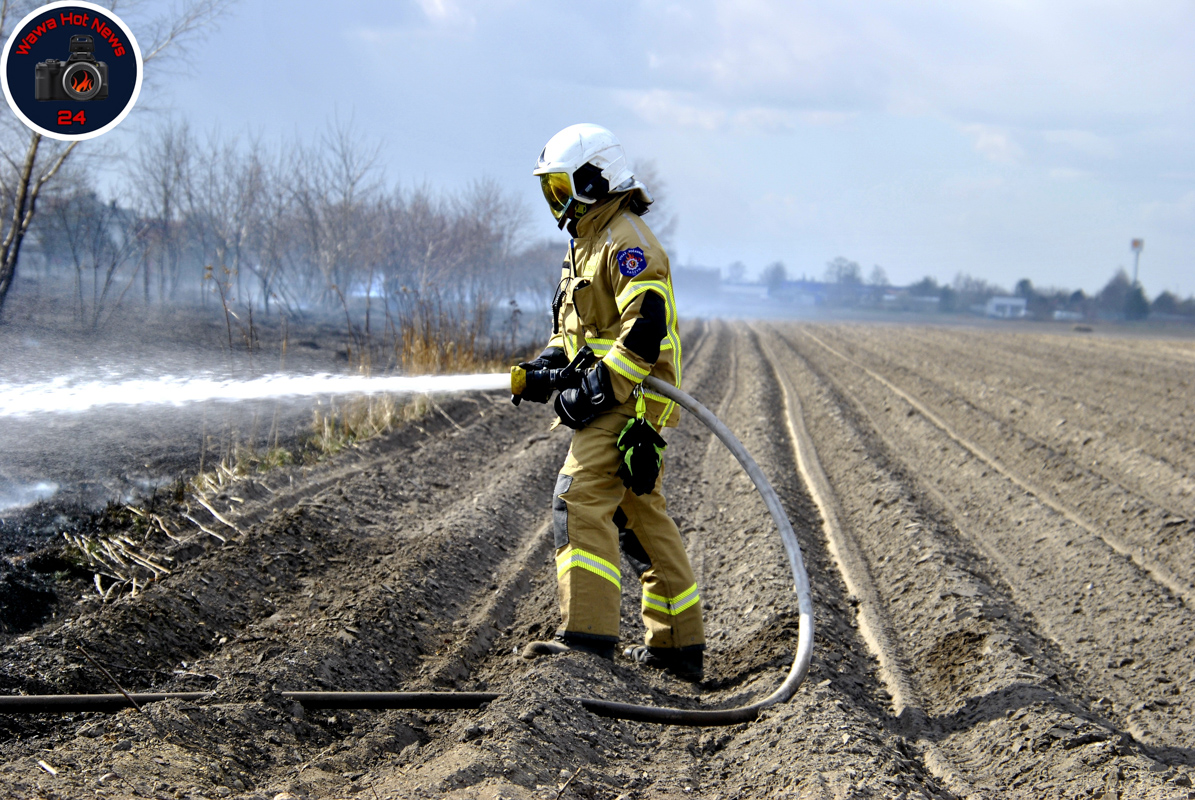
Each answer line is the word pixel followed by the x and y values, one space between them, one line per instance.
pixel 631 261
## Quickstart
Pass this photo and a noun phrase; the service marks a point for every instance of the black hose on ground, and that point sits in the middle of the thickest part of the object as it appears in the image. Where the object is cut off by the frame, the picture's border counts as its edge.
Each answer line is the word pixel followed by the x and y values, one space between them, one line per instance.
pixel 29 704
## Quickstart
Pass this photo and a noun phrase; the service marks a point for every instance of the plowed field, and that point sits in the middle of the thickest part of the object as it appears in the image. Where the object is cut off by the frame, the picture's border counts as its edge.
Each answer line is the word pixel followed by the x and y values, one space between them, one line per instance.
pixel 1003 584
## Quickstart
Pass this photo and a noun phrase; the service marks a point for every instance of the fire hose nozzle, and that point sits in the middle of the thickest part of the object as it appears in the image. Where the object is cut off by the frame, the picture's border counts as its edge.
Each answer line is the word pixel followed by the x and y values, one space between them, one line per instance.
pixel 518 383
pixel 546 381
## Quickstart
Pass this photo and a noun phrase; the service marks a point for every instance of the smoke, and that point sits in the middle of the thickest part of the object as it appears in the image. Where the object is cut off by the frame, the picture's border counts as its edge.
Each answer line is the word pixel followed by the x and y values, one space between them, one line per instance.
pixel 23 495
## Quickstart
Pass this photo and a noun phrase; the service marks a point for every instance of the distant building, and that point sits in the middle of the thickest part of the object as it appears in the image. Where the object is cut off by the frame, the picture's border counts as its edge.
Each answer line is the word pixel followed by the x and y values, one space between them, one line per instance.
pixel 802 293
pixel 1006 307
pixel 898 299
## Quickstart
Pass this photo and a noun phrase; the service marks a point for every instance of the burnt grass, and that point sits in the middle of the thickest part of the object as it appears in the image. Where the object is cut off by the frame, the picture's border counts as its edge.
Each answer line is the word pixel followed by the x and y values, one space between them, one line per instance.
pixel 104 460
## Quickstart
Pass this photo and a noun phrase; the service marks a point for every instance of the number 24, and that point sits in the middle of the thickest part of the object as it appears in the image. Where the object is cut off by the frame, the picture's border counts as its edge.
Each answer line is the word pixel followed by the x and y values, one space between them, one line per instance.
pixel 66 118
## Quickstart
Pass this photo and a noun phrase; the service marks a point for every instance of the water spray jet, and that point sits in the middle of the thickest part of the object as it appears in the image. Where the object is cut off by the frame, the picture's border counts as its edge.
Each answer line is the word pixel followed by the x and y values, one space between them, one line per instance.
pixel 62 396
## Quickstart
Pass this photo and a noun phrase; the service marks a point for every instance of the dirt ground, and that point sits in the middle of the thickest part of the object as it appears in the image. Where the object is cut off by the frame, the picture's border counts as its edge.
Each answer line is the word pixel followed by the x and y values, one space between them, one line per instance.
pixel 1003 596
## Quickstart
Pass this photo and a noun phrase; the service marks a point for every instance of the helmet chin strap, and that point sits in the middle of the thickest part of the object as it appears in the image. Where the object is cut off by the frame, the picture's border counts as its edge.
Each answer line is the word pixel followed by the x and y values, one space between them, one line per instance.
pixel 560 223
pixel 567 214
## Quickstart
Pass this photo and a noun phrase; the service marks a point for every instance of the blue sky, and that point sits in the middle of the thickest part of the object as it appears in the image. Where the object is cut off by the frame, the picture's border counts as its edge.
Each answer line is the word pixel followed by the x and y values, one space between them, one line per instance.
pixel 1001 138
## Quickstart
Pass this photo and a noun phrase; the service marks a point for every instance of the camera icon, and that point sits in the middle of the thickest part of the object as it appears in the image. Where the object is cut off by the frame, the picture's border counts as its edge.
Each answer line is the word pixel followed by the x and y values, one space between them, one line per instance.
pixel 80 77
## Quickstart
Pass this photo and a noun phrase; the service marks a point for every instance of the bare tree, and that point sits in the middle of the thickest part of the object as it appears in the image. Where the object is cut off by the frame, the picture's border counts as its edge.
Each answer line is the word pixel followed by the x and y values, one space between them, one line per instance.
pixel 844 278
pixel 774 277
pixel 275 221
pixel 664 220
pixel 159 173
pixel 100 239
pixel 224 197
pixel 336 186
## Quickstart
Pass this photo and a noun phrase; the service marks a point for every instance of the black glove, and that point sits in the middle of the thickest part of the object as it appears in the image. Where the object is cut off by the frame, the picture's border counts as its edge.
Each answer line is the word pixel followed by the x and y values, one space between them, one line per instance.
pixel 642 451
pixel 539 380
pixel 551 358
pixel 580 406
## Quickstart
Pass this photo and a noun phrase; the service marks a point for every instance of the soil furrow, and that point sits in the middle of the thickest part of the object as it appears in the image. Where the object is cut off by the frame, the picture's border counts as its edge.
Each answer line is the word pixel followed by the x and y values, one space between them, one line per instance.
pixel 1151 416
pixel 993 686
pixel 1054 569
pixel 875 626
pixel 1144 537
pixel 1111 435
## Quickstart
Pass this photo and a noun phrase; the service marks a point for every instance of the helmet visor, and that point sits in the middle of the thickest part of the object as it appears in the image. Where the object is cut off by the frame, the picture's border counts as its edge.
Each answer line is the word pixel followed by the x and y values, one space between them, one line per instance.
pixel 558 191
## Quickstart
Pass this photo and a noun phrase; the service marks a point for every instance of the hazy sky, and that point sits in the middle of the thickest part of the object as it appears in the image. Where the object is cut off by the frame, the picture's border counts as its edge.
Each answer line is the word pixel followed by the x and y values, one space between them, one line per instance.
pixel 1004 139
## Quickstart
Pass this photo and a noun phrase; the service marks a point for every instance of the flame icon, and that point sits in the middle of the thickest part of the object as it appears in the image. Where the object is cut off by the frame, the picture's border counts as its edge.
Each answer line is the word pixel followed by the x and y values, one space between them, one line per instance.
pixel 81 81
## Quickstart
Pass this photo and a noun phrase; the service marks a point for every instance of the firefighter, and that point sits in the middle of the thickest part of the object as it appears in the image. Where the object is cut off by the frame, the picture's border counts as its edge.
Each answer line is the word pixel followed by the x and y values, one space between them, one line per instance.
pixel 615 297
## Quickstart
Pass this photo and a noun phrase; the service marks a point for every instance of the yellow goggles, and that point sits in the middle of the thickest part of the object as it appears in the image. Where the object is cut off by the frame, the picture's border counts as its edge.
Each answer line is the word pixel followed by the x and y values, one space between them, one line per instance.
pixel 558 190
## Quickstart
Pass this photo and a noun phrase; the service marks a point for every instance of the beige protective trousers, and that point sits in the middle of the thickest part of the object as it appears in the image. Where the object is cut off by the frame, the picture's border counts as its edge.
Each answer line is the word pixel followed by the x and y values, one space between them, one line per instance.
pixel 588 500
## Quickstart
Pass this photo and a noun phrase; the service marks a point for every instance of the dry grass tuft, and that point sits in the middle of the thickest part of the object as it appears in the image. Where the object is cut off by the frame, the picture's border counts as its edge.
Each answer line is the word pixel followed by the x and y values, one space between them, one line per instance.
pixel 437 337
pixel 124 547
pixel 432 336
pixel 360 419
pixel 241 461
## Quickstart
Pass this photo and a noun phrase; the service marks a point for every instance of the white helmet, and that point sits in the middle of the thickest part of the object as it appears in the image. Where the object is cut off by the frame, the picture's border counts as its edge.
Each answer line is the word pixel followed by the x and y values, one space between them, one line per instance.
pixel 581 165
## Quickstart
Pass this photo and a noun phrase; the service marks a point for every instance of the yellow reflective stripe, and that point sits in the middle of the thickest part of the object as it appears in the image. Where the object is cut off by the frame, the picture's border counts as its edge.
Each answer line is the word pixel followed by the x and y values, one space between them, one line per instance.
pixel 664 288
pixel 638 232
pixel 588 561
pixel 627 369
pixel 636 288
pixel 656 604
pixel 600 346
pixel 665 414
pixel 672 340
pixel 672 605
pixel 615 368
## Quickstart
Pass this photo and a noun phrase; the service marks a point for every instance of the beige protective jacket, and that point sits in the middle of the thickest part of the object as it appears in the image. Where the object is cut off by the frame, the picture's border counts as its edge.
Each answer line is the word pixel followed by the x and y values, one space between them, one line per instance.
pixel 611 265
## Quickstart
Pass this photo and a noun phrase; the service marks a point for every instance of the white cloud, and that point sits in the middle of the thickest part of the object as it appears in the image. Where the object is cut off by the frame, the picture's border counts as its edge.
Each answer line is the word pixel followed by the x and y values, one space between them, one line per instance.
pixel 447 12
pixel 819 118
pixel 672 109
pixel 995 62
pixel 993 144
pixel 971 187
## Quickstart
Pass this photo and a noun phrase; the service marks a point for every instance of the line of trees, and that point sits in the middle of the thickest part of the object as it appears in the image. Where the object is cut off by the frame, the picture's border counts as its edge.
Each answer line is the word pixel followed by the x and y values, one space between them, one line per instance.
pixel 1119 298
pixel 284 228
pixel 843 285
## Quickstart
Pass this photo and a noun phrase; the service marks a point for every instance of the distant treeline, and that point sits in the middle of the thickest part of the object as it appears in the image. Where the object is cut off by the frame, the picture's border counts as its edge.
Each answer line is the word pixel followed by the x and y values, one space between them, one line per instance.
pixel 843 285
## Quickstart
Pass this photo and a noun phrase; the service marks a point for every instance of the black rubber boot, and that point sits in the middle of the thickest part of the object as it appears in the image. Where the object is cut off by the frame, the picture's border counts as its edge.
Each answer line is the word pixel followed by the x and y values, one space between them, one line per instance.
pixel 687 663
pixel 564 643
